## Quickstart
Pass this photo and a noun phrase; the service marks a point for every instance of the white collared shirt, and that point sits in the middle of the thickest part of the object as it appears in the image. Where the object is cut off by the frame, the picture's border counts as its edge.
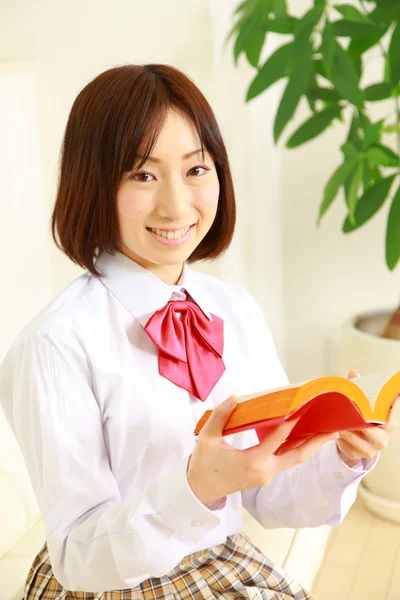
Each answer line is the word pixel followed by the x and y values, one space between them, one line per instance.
pixel 107 440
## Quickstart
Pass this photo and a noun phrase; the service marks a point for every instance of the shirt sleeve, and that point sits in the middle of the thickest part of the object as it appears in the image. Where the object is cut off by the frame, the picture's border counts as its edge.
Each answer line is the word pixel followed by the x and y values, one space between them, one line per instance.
pixel 96 539
pixel 319 491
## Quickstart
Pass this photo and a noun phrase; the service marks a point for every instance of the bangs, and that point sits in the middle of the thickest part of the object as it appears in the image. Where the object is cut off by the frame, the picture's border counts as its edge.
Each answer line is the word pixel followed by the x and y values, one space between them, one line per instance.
pixel 142 142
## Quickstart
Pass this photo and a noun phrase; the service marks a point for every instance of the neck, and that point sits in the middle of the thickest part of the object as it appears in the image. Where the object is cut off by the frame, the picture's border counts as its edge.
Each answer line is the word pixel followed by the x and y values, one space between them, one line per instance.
pixel 168 274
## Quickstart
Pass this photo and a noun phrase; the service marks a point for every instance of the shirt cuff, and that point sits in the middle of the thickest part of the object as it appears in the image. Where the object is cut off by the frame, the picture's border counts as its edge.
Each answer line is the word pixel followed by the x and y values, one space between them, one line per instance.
pixel 180 509
pixel 333 469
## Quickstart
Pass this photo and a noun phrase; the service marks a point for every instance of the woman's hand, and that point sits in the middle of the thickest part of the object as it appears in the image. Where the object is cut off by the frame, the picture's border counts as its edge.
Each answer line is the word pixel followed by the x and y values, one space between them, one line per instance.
pixel 217 469
pixel 366 443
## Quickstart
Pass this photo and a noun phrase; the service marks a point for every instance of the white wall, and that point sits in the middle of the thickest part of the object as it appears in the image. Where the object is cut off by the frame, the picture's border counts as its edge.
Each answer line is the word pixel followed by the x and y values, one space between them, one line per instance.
pixel 307 280
pixel 72 42
pixel 255 259
pixel 24 250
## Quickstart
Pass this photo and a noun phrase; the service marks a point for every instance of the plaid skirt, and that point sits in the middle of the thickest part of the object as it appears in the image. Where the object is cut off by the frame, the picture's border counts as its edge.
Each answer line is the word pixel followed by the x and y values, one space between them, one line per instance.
pixel 234 569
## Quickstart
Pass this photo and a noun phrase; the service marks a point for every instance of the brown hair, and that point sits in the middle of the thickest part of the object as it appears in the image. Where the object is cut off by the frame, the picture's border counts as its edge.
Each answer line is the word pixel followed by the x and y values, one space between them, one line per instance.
pixel 111 117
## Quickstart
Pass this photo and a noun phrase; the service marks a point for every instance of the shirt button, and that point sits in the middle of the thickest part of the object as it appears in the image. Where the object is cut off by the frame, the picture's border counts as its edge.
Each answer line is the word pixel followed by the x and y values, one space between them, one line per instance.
pixel 198 523
pixel 338 475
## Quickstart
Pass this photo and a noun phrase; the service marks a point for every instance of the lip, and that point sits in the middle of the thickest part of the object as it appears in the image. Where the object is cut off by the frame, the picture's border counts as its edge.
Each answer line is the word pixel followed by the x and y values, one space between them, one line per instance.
pixel 165 242
pixel 175 228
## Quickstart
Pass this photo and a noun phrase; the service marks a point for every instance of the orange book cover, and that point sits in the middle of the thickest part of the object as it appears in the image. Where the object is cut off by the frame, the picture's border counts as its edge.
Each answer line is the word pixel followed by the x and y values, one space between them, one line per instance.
pixel 324 405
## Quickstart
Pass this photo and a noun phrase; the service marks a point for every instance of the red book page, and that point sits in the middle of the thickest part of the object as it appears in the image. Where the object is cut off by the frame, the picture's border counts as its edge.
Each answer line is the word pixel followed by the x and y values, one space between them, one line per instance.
pixel 326 413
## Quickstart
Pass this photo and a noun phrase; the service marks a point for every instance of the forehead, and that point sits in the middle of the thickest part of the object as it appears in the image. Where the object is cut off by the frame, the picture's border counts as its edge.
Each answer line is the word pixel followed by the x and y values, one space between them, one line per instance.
pixel 177 132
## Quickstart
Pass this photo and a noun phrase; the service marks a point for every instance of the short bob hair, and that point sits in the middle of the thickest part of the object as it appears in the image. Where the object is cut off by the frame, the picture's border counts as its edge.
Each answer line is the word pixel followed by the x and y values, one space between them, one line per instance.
pixel 116 116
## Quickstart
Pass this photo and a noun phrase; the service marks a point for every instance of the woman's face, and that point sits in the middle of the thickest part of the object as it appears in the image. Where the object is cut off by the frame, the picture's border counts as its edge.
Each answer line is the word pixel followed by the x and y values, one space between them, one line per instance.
pixel 166 208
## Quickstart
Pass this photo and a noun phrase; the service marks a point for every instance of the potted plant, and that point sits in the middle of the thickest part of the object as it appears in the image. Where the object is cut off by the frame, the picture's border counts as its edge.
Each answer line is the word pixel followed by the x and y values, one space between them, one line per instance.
pixel 322 59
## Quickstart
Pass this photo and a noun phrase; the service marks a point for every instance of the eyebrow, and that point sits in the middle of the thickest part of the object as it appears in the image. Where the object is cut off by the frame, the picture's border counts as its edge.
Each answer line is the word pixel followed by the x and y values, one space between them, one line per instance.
pixel 158 160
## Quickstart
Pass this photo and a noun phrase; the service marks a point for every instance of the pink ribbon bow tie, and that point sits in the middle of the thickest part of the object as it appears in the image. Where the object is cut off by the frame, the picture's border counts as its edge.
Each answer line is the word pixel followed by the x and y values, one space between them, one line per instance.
pixel 190 347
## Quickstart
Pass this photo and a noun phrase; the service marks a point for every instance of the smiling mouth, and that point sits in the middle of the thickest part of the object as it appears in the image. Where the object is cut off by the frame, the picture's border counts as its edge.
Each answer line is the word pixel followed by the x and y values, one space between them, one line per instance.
pixel 175 234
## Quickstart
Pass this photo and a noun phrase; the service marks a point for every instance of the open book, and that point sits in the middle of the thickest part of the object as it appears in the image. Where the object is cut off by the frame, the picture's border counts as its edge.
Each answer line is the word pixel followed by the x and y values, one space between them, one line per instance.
pixel 324 405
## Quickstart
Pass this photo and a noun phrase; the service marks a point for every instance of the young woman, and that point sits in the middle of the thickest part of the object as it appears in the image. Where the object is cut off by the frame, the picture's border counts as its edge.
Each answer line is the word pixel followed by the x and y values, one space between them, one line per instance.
pixel 104 387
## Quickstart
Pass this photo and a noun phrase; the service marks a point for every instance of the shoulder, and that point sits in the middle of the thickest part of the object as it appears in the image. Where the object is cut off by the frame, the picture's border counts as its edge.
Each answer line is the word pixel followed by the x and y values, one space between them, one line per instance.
pixel 58 330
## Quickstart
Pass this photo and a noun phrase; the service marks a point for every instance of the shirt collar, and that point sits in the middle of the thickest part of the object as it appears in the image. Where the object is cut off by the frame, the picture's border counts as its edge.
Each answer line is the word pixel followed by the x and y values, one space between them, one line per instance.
pixel 139 290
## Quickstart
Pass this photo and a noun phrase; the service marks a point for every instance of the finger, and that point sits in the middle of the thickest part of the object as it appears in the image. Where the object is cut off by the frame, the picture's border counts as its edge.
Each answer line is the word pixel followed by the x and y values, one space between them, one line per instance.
pixel 300 454
pixel 289 445
pixel 353 373
pixel 367 448
pixel 276 436
pixel 376 435
pixel 391 423
pixel 219 417
pixel 349 450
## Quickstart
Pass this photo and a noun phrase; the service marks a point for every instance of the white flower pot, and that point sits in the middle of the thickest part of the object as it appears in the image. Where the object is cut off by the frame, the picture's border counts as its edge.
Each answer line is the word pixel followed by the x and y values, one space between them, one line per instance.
pixel 363 350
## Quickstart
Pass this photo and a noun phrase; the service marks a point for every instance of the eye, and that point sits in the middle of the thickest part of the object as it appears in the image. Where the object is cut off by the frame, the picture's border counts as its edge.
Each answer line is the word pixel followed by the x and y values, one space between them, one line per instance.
pixel 199 167
pixel 140 174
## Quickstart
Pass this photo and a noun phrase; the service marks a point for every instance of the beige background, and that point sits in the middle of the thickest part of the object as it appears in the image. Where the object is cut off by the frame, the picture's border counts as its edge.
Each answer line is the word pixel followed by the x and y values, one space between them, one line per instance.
pixel 307 280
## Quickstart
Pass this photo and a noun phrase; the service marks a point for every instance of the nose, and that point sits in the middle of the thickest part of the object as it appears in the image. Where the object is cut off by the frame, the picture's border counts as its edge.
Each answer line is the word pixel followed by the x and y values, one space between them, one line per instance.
pixel 174 200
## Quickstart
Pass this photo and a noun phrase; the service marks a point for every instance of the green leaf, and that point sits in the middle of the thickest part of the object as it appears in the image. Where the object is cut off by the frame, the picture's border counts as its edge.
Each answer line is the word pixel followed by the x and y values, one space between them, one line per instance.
pixel 273 69
pixel 344 77
pixel 254 46
pixel 378 91
pixel 245 7
pixel 328 48
pixel 353 135
pixel 382 19
pixel 386 11
pixel 372 134
pixel 391 128
pixel 350 149
pixel 369 204
pixel 313 126
pixel 371 175
pixel 303 31
pixel 286 25
pixel 295 88
pixel 279 8
pixel 367 176
pixel 245 32
pixel 250 39
pixel 332 187
pixel 376 175
pixel 381 155
pixel 357 65
pixel 319 67
pixel 396 90
pixel 323 93
pixel 387 74
pixel 345 28
pixel 394 53
pixel 352 14
pixel 311 103
pixel 240 22
pixel 364 121
pixel 351 189
pixel 393 233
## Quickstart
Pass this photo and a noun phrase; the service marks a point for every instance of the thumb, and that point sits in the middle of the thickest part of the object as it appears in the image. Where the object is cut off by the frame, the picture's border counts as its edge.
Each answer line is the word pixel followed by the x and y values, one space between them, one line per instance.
pixel 352 374
pixel 219 417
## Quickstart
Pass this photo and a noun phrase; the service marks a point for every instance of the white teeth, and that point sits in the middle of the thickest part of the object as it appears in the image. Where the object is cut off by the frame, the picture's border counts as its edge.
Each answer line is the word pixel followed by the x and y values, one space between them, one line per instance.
pixel 171 235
